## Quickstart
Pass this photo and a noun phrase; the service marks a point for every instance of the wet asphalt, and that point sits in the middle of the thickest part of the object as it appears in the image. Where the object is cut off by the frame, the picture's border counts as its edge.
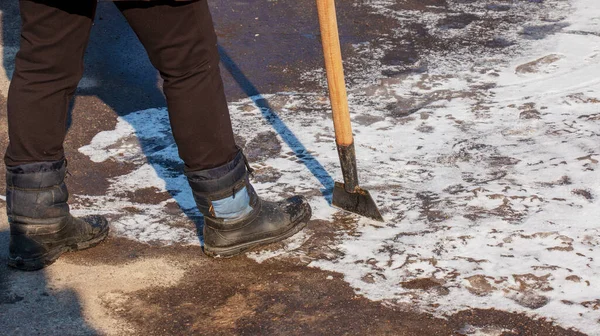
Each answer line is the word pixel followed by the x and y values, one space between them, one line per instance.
pixel 271 43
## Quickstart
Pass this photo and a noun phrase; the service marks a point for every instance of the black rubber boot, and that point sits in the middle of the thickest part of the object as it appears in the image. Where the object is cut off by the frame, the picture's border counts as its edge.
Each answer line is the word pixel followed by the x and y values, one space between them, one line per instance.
pixel 41 227
pixel 263 223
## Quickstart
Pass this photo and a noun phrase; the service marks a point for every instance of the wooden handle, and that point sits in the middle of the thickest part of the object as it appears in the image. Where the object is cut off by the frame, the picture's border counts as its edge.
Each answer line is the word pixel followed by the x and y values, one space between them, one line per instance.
pixel 335 72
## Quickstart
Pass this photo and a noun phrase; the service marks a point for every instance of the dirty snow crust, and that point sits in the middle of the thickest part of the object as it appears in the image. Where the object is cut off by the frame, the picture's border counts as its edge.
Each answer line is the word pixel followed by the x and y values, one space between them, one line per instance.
pixel 485 168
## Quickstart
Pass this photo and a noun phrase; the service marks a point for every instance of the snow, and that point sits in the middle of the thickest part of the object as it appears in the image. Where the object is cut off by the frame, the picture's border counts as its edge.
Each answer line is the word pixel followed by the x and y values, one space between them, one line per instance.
pixel 6 53
pixel 490 189
pixel 485 331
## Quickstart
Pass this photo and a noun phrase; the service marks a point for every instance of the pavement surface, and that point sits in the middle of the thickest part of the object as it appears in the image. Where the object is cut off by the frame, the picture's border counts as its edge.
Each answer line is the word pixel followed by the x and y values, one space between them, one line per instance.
pixel 128 287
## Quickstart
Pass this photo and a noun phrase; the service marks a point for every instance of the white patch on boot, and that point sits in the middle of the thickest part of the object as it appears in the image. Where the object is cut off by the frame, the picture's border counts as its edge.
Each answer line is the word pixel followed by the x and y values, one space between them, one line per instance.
pixel 233 207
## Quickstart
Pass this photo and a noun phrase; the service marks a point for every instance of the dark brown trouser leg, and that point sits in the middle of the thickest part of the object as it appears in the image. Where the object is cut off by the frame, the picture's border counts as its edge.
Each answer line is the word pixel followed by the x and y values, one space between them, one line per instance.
pixel 48 66
pixel 182 44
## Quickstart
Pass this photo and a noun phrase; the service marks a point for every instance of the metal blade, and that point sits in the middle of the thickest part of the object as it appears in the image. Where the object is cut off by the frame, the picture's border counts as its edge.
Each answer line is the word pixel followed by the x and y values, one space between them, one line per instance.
pixel 359 202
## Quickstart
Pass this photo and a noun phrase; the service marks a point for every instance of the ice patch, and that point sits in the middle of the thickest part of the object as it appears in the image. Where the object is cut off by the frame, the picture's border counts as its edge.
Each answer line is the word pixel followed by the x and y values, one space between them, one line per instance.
pixel 7 55
pixel 143 138
pixel 291 244
pixel 484 331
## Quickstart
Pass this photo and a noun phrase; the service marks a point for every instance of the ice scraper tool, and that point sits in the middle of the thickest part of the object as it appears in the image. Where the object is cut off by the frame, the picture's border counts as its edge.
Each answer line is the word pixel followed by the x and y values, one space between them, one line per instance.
pixel 348 195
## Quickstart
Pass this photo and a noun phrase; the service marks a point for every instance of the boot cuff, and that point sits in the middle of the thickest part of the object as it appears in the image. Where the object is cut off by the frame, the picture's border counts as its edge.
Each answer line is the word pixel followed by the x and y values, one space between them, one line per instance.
pixel 219 179
pixel 36 175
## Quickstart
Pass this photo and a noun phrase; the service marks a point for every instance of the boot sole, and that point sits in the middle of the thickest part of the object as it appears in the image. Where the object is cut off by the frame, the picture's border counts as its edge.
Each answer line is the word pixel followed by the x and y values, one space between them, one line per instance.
pixel 51 256
pixel 228 252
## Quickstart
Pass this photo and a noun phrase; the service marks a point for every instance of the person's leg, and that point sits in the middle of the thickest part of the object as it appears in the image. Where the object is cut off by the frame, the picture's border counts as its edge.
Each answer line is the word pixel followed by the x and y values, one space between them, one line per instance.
pixel 182 45
pixel 48 66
